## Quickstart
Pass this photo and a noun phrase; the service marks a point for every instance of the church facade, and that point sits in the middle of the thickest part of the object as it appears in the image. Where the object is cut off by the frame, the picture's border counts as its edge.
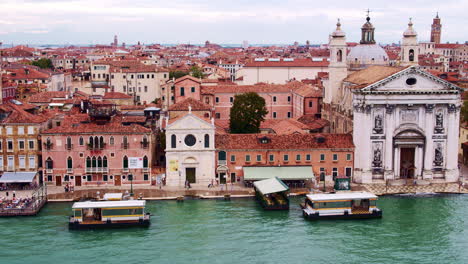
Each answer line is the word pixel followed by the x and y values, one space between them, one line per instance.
pixel 405 126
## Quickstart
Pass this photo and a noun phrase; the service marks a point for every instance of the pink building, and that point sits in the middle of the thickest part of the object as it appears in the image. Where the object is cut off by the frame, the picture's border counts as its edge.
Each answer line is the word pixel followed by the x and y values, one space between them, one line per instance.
pixel 290 100
pixel 97 149
pixel 328 155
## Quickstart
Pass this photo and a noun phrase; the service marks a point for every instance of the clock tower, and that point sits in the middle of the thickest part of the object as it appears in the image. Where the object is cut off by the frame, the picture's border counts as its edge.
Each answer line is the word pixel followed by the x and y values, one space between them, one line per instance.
pixel 436 30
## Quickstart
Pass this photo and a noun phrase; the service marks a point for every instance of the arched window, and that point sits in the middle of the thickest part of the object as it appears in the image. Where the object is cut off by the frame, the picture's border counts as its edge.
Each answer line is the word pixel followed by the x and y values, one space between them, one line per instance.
pixel 104 162
pixel 96 142
pixel 411 55
pixel 111 141
pixel 173 141
pixel 125 142
pixel 69 163
pixel 207 141
pixel 339 56
pixel 222 155
pixel 88 162
pixel 101 142
pixel 145 162
pixel 91 142
pixel 49 163
pixel 94 162
pixel 99 162
pixel 69 142
pixel 81 141
pixel 125 162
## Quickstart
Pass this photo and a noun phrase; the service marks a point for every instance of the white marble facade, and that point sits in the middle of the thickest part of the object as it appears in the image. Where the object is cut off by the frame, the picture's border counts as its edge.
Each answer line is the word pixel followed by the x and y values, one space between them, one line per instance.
pixel 406 127
pixel 190 151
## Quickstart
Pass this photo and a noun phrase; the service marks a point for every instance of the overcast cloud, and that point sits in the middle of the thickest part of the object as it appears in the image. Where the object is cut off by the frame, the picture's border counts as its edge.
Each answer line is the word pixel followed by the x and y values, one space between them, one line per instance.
pixel 220 21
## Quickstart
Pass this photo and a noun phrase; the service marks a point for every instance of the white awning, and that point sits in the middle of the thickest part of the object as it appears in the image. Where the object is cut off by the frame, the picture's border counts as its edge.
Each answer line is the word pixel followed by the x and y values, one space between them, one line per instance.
pixel 17 177
pixel 282 172
pixel 272 185
pixel 109 204
pixel 113 196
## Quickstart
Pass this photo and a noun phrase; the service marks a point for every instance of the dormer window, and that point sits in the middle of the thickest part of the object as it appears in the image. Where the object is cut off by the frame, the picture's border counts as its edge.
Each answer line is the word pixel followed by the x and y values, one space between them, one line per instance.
pixel 264 140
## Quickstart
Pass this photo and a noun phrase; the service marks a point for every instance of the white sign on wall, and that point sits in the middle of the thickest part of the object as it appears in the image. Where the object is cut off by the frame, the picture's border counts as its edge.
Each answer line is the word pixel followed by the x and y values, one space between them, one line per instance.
pixel 135 163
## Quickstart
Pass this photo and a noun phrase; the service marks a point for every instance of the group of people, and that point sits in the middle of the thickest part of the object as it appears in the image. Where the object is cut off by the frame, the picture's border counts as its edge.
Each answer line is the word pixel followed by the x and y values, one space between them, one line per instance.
pixel 69 187
pixel 187 184
pixel 17 186
pixel 14 203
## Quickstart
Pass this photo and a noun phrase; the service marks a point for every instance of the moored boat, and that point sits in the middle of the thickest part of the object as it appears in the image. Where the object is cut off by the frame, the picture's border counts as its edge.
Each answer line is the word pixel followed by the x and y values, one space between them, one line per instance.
pixel 346 205
pixel 109 214
pixel 272 194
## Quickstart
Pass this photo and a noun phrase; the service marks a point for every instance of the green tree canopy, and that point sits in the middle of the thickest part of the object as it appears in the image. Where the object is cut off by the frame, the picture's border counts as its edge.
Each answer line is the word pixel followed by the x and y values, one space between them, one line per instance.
pixel 247 112
pixel 43 63
pixel 196 71
pixel 177 74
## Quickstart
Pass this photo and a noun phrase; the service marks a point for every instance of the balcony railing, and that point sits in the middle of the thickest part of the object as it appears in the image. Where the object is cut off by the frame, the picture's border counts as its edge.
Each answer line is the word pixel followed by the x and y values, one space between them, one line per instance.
pixel 146 169
pixel 144 144
pixel 125 145
pixel 10 168
pixel 48 146
pixel 68 146
pixel 96 147
pixel 124 169
pixel 69 170
pixel 96 170
pixel 49 170
pixel 222 162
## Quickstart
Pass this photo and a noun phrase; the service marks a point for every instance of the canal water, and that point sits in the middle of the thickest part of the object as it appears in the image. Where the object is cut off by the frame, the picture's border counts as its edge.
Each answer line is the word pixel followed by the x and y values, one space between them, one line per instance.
pixel 413 230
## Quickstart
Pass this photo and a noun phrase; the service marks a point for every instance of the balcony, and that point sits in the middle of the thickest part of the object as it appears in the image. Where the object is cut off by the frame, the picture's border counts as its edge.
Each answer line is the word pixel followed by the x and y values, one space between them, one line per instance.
pixel 125 170
pixel 69 170
pixel 97 170
pixel 96 147
pixel 68 146
pixel 125 145
pixel 146 169
pixel 49 170
pixel 222 162
pixel 10 168
pixel 144 144
pixel 48 145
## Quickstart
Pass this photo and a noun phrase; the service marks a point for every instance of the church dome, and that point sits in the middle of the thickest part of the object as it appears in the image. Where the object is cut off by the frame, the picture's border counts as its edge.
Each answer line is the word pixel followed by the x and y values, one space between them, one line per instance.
pixel 368 54
pixel 410 32
pixel 338 32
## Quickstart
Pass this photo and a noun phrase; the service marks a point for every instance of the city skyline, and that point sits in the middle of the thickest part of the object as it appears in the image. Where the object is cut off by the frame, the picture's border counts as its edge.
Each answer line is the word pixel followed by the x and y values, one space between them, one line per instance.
pixel 274 22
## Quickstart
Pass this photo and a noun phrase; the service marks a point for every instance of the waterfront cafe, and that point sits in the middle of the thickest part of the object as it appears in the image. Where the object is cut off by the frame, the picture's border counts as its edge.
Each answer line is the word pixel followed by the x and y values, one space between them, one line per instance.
pixel 272 194
pixel 18 180
pixel 292 176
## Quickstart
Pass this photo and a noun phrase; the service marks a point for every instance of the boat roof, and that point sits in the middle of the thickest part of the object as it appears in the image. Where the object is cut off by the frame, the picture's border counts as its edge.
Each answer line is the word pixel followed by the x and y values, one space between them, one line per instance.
pixel 113 196
pixel 109 204
pixel 272 185
pixel 341 196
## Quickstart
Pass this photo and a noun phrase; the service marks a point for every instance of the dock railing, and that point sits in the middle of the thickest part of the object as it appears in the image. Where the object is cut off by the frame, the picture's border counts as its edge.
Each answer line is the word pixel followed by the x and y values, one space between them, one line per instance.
pixel 35 204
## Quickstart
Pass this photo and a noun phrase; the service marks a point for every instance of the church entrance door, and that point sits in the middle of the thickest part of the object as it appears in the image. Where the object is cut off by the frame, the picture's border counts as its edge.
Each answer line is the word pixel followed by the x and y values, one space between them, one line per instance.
pixel 407 167
pixel 190 175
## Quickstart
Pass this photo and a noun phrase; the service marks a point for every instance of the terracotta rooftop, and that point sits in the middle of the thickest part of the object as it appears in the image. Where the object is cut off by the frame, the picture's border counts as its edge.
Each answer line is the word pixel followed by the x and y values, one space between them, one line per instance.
pixel 17 115
pixel 294 141
pixel 288 63
pixel 46 97
pixel 258 88
pixel 116 95
pixel 194 104
pixel 371 75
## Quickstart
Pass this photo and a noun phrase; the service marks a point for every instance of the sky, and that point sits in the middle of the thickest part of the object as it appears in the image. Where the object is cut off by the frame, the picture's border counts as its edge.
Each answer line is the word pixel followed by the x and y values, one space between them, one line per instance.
pixel 221 21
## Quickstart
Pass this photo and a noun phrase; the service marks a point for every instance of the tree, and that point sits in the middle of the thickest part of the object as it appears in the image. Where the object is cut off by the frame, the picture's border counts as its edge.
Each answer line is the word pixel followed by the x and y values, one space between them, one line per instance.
pixel 247 112
pixel 177 74
pixel 464 112
pixel 43 63
pixel 196 71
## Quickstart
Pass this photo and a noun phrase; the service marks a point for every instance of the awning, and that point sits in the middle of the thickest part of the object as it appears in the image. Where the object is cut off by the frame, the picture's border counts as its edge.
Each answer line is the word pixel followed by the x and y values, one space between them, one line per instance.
pixel 272 185
pixel 17 177
pixel 283 173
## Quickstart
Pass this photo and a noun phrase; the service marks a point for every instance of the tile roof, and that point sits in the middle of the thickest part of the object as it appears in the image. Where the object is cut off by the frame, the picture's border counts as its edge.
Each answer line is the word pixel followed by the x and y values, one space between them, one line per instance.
pixel 46 97
pixel 116 95
pixel 17 115
pixel 283 63
pixel 194 104
pixel 371 75
pixel 294 141
pixel 81 124
pixel 309 91
pixel 258 88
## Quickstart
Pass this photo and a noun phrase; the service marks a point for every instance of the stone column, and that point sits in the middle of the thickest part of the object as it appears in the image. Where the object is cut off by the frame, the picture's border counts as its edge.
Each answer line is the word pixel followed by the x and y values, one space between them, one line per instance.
pixel 396 162
pixel 429 148
pixel 389 124
pixel 451 151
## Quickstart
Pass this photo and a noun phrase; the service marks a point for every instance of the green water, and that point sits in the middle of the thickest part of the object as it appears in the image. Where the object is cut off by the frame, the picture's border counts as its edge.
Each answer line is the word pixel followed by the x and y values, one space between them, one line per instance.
pixel 413 230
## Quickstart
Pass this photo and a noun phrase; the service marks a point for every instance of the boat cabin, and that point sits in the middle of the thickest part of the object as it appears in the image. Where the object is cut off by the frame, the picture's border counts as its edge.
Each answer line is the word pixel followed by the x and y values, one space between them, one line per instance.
pixel 345 205
pixel 272 194
pixel 95 214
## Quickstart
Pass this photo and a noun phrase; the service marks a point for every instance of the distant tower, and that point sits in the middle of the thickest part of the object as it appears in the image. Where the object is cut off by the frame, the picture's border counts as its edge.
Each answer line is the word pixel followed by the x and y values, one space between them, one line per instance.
pixel 436 30
pixel 116 42
pixel 337 68
pixel 367 32
pixel 207 43
pixel 409 46
pixel 245 44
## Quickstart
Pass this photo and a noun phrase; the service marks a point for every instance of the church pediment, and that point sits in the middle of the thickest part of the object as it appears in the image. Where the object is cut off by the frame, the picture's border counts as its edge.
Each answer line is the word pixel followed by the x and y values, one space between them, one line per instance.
pixel 411 80
pixel 190 121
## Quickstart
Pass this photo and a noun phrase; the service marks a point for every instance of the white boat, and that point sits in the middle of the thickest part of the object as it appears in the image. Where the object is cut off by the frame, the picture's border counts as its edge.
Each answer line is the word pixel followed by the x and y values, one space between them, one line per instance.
pixel 344 205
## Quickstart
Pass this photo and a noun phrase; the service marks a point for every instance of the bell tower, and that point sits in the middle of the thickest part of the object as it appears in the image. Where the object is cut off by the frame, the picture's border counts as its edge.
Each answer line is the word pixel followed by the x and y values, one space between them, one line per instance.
pixel 409 46
pixel 367 31
pixel 436 30
pixel 337 68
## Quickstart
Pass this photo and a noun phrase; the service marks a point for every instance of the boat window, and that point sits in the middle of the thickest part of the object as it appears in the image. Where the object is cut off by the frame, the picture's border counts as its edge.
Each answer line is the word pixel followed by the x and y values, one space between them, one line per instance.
pixel 335 204
pixel 78 213
pixel 122 212
pixel 373 202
